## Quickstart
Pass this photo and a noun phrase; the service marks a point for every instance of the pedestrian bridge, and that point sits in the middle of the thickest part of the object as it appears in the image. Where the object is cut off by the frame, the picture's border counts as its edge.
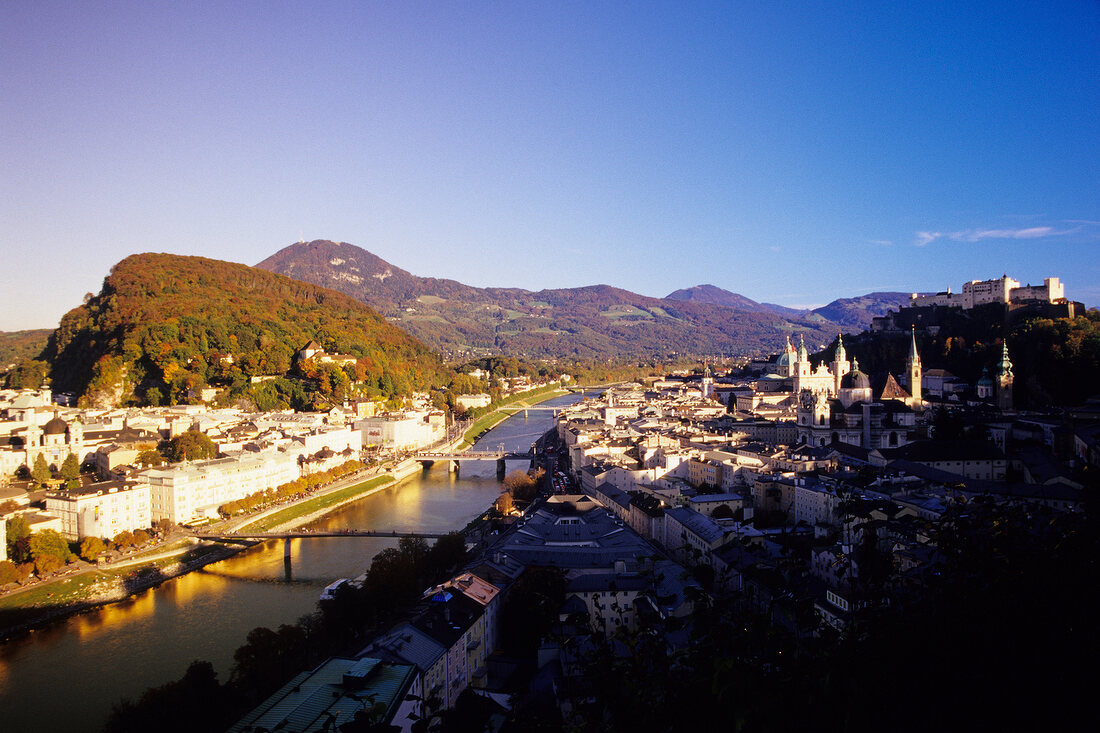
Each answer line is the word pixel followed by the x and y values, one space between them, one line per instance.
pixel 470 455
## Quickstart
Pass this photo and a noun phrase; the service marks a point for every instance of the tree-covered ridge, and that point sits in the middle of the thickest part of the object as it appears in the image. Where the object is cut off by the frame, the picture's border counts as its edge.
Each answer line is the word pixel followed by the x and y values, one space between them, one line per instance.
pixel 165 325
pixel 18 345
pixel 1054 361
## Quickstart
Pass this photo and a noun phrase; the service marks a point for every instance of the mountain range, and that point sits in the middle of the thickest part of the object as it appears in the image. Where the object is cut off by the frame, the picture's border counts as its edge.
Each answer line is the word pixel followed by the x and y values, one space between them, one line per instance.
pixel 848 313
pixel 594 321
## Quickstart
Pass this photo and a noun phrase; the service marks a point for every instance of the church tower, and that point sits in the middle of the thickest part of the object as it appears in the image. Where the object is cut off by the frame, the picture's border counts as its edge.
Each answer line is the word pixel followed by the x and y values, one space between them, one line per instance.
pixel 788 359
pixel 1004 380
pixel 840 365
pixel 912 367
pixel 803 361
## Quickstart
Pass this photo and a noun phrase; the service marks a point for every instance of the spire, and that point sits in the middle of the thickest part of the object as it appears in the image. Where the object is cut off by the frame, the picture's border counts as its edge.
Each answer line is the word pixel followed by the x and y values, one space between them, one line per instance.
pixel 1005 365
pixel 841 355
pixel 803 355
pixel 913 355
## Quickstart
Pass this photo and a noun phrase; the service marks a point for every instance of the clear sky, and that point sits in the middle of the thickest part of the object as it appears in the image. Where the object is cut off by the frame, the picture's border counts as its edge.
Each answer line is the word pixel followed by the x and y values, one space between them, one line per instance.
pixel 792 152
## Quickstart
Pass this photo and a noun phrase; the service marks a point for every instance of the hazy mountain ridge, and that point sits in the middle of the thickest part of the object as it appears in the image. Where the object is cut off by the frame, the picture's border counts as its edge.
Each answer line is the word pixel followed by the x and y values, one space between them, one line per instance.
pixel 170 323
pixel 850 313
pixel 597 320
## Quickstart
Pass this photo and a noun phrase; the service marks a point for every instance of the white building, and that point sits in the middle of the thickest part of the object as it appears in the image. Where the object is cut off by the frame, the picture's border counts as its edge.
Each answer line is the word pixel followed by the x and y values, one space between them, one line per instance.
pixel 1001 290
pixel 101 510
pixel 335 439
pixel 189 491
pixel 470 401
pixel 406 430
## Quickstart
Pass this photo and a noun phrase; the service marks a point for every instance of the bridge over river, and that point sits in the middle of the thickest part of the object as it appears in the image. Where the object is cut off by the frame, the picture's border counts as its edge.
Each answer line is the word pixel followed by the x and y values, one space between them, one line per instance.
pixel 315 534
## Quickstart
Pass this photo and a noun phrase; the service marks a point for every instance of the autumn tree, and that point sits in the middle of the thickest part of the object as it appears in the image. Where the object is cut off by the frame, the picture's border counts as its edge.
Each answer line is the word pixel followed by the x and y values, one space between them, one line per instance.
pixel 124 539
pixel 19 532
pixel 191 446
pixel 91 548
pixel 46 547
pixel 521 485
pixel 150 457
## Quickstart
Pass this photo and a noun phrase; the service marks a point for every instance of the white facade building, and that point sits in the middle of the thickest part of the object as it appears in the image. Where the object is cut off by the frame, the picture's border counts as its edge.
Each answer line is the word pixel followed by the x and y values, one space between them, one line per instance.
pixel 335 439
pixel 1001 290
pixel 102 510
pixel 402 431
pixel 194 490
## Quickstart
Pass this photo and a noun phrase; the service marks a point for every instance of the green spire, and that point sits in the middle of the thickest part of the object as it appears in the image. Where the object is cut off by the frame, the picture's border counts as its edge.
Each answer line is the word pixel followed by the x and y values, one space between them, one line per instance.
pixel 1004 366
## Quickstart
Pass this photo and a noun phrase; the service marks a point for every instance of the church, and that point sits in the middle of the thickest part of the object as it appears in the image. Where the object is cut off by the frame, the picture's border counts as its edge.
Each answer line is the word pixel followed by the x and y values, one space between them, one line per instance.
pixel 835 402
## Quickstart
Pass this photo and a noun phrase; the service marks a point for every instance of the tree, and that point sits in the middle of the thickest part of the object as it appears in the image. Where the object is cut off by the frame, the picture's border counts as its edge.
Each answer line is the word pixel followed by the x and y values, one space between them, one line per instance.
pixel 91 548
pixel 505 503
pixel 48 543
pixel 40 471
pixel 521 485
pixel 29 374
pixel 191 446
pixel 18 533
pixel 124 539
pixel 70 469
pixel 11 572
pixel 150 457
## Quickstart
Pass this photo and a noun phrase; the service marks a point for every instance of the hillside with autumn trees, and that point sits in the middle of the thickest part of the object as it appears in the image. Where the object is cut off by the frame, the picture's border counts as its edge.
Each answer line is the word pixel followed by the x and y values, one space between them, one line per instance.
pixel 165 326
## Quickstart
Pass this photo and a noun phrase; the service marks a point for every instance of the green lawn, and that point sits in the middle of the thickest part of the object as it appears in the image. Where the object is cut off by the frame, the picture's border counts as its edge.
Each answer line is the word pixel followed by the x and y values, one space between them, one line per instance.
pixel 312 505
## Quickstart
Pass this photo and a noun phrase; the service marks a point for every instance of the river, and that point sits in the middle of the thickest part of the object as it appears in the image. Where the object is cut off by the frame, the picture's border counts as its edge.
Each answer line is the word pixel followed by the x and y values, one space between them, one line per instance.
pixel 67 676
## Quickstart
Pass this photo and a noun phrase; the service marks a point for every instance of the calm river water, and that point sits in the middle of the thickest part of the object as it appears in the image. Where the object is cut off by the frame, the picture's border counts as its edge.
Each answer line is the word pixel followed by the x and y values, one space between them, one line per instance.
pixel 67 676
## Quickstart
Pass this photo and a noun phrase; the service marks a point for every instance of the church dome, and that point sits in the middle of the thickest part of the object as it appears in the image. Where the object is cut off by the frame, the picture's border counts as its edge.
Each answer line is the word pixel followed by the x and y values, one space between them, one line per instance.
pixel 855 379
pixel 56 426
pixel 985 380
pixel 783 360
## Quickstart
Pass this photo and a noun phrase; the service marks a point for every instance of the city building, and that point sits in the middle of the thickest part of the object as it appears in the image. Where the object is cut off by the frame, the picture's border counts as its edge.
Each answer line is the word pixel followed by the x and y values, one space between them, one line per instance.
pixel 340 692
pixel 101 510
pixel 1000 290
pixel 189 491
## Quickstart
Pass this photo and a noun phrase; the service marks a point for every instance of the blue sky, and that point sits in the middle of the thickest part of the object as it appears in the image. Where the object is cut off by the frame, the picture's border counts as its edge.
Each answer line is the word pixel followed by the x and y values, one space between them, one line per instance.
pixel 791 152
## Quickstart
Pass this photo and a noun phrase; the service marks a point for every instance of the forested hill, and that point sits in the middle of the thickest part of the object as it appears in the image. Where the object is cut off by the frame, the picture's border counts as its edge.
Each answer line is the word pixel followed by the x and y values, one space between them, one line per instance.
pixel 164 325
pixel 595 321
pixel 15 346
pixel 1055 360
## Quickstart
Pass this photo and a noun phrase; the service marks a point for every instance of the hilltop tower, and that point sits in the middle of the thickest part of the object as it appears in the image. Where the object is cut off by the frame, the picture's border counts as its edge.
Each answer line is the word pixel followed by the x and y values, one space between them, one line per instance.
pixel 913 369
pixel 1004 379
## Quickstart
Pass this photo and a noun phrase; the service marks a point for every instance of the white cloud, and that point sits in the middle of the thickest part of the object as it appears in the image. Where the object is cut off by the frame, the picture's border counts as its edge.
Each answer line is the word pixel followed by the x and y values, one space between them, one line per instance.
pixel 978 235
pixel 924 238
pixel 881 242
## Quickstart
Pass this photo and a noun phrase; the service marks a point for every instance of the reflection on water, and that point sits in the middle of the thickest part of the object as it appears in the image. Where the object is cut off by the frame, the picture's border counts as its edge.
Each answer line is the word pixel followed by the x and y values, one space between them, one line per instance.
pixel 120 650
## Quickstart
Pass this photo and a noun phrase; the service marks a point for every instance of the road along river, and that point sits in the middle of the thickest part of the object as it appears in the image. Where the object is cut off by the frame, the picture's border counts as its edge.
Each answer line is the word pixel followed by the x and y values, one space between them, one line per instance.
pixel 66 677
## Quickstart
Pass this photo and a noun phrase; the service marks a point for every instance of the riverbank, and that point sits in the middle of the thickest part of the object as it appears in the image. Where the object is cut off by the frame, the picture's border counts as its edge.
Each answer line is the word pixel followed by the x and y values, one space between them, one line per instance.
pixel 508 407
pixel 91 587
